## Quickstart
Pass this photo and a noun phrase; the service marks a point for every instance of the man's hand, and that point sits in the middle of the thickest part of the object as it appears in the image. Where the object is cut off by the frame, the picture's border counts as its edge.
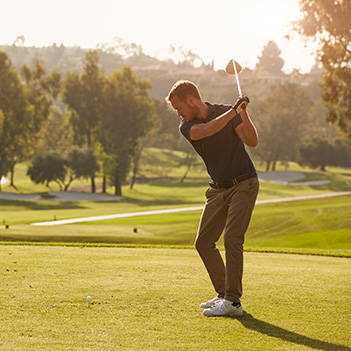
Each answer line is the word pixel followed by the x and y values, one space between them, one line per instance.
pixel 241 103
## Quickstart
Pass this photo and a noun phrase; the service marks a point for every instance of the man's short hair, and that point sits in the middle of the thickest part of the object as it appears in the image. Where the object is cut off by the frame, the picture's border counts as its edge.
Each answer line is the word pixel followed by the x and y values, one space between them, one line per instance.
pixel 182 89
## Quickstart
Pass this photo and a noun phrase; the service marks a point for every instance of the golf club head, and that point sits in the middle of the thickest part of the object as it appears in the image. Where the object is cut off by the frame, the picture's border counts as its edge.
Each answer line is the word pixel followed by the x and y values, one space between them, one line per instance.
pixel 230 67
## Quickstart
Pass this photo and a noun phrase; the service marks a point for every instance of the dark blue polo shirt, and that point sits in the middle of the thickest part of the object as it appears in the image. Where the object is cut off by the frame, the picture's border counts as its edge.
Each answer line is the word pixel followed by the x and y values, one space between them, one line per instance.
pixel 224 153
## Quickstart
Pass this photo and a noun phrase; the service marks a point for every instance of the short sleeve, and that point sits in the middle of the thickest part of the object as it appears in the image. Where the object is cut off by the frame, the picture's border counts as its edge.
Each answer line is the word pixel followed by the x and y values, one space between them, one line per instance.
pixel 185 127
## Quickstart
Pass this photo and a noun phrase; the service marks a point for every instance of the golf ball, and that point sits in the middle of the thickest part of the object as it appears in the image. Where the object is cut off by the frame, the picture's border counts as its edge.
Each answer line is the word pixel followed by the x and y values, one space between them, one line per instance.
pixel 89 298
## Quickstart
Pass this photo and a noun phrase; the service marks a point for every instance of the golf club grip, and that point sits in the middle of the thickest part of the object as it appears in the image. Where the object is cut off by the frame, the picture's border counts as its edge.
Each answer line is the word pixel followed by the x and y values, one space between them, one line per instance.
pixel 241 107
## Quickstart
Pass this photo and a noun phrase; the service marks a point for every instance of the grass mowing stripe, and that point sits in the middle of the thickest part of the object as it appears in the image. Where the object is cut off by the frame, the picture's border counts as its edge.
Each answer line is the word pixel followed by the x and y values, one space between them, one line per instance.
pixel 174 210
pixel 117 216
pixel 310 225
pixel 277 250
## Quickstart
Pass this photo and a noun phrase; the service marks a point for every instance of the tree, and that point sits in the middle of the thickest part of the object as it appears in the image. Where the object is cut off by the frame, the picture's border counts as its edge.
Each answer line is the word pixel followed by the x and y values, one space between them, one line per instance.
pixel 270 59
pixel 281 120
pixel 41 92
pixel 136 163
pixel 320 152
pixel 56 133
pixel 81 163
pixel 3 158
pixel 129 116
pixel 138 156
pixel 317 152
pixel 168 125
pixel 329 23
pixel 47 168
pixel 84 97
pixel 53 167
pixel 190 159
pixel 16 117
pixel 342 156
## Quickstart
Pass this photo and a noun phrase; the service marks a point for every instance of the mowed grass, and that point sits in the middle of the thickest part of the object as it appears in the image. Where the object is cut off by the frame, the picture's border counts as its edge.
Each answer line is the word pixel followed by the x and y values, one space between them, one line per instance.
pixel 311 225
pixel 148 299
pixel 319 223
pixel 321 226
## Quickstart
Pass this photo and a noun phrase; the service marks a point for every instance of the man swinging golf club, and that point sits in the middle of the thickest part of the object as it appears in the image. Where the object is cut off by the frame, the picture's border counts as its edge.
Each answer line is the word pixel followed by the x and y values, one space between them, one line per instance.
pixel 218 134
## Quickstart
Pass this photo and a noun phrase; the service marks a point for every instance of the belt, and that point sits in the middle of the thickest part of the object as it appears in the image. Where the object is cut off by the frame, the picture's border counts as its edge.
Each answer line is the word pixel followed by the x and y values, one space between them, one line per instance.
pixel 231 182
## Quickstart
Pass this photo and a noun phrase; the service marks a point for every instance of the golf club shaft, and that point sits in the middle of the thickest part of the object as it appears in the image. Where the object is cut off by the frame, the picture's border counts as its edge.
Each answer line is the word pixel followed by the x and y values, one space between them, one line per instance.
pixel 237 79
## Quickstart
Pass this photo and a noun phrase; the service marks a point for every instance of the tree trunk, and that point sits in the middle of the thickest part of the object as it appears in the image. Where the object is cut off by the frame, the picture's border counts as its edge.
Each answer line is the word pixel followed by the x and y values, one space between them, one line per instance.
pixel 104 184
pixel 133 181
pixel 71 179
pixel 273 166
pixel 136 161
pixel 135 171
pixel 2 168
pixel 93 188
pixel 12 171
pixel 189 164
pixel 268 166
pixel 118 191
pixel 118 188
pixel 59 184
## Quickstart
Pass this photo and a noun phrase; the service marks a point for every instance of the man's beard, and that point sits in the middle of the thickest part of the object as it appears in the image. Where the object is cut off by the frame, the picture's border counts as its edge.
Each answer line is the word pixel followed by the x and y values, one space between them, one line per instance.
pixel 195 112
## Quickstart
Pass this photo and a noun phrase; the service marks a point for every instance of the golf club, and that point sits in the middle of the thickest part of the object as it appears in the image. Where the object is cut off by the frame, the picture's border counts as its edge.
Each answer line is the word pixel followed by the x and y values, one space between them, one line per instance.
pixel 233 67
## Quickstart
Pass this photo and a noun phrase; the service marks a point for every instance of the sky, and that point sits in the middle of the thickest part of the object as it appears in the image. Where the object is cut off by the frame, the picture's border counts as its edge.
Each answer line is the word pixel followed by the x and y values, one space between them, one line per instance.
pixel 217 30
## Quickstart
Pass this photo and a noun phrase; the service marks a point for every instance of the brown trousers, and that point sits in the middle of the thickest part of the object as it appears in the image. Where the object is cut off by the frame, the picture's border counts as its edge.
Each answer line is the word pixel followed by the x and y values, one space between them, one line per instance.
pixel 230 210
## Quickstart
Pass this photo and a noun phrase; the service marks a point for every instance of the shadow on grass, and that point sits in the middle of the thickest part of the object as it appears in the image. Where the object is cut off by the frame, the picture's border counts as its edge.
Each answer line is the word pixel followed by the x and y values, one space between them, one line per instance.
pixel 38 206
pixel 250 322
pixel 161 201
pixel 46 205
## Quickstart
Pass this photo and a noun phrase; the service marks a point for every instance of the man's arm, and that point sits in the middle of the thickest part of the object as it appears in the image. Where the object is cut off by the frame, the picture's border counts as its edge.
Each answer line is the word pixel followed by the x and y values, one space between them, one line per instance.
pixel 246 130
pixel 204 130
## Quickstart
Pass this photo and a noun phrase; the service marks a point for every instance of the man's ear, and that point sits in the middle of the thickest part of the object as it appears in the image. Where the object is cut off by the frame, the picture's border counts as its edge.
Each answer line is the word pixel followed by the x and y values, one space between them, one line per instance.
pixel 191 101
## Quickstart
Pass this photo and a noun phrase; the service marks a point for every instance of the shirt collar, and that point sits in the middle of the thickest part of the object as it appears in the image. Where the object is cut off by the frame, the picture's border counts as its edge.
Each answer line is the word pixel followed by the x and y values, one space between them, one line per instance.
pixel 210 110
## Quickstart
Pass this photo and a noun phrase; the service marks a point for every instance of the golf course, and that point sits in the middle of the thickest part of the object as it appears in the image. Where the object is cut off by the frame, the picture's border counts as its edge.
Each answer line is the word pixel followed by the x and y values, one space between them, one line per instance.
pixel 147 281
pixel 170 185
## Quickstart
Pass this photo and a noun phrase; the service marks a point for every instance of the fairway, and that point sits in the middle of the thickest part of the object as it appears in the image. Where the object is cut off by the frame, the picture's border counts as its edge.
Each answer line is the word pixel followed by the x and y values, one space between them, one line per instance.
pixel 314 226
pixel 148 299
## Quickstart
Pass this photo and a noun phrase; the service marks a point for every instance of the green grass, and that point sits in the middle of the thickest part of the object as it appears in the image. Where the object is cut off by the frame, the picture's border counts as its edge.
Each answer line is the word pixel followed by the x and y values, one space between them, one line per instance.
pixel 148 299
pixel 317 225
pixel 322 224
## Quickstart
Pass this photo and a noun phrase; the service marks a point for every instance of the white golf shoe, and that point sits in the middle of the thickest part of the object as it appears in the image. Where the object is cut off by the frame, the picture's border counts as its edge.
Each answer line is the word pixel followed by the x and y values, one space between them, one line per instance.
pixel 211 303
pixel 224 308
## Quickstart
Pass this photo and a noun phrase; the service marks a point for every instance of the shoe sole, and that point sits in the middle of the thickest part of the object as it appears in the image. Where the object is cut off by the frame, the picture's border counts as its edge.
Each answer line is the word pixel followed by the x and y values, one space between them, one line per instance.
pixel 236 313
pixel 223 315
